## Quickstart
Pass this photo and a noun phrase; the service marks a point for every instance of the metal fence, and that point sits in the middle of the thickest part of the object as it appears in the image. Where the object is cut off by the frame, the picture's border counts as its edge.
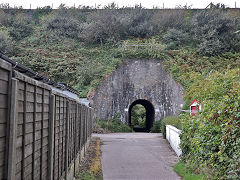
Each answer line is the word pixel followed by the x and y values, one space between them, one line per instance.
pixel 43 133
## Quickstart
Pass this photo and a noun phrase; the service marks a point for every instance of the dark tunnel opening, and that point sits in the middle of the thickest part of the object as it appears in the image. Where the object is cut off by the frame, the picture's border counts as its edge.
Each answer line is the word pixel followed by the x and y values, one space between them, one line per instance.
pixel 149 115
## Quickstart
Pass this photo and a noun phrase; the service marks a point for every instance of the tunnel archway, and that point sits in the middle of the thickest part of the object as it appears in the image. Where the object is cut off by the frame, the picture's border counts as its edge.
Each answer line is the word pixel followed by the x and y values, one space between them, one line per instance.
pixel 137 79
pixel 150 114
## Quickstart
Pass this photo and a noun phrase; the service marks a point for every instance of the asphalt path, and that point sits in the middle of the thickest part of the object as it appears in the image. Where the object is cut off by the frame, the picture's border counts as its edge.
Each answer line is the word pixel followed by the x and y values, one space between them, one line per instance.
pixel 137 156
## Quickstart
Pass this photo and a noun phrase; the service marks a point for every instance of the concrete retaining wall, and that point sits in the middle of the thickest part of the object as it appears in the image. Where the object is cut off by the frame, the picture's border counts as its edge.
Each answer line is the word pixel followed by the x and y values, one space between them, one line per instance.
pixel 172 135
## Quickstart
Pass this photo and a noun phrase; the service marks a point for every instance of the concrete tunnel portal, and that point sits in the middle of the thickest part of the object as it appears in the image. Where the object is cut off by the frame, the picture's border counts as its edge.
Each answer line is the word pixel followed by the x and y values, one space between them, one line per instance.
pixel 138 81
pixel 150 114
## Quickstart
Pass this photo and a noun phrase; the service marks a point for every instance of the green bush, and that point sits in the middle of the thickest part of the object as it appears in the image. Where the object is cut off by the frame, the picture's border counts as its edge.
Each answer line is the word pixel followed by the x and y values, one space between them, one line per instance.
pixel 156 127
pixel 175 38
pixel 139 24
pixel 6 45
pixel 112 25
pixel 63 25
pixel 4 18
pixel 113 125
pixel 138 116
pixel 171 120
pixel 170 19
pixel 215 30
pixel 160 125
pixel 210 141
pixel 20 26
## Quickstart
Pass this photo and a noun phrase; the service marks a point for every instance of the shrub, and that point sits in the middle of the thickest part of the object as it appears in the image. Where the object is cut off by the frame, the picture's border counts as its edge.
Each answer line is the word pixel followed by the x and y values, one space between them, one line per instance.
pixel 139 24
pixel 170 19
pixel 210 141
pixel 20 27
pixel 138 116
pixel 63 25
pixel 100 26
pixel 3 18
pixel 171 120
pixel 112 25
pixel 175 38
pixel 156 127
pixel 40 12
pixel 142 30
pixel 160 125
pixel 215 30
pixel 114 125
pixel 6 45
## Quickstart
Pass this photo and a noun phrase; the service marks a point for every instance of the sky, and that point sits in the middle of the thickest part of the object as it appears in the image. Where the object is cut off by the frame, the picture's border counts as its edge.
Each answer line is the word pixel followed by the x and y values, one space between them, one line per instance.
pixel 145 3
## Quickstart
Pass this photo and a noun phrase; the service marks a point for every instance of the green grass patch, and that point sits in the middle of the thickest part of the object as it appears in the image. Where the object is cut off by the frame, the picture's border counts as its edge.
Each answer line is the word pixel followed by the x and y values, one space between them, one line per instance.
pixel 86 176
pixel 187 174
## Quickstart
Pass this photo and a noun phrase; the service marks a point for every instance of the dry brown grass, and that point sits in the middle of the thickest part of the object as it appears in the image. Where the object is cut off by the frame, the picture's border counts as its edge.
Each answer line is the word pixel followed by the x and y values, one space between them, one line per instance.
pixel 91 167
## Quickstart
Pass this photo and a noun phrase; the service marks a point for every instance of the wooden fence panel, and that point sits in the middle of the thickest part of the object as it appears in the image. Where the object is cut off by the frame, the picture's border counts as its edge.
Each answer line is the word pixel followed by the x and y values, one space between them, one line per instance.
pixel 72 127
pixel 5 88
pixel 21 117
pixel 86 123
pixel 81 125
pixel 45 130
pixel 59 136
pixel 78 126
pixel 61 113
pixel 32 131
pixel 56 139
pixel 62 135
pixel 48 129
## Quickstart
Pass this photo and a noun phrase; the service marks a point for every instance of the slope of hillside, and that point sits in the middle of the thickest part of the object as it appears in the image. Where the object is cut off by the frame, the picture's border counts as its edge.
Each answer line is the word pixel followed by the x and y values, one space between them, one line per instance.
pixel 200 48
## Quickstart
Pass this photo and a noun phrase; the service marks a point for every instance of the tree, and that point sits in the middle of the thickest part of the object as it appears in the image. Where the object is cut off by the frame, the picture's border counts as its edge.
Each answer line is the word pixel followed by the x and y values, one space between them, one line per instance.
pixel 138 115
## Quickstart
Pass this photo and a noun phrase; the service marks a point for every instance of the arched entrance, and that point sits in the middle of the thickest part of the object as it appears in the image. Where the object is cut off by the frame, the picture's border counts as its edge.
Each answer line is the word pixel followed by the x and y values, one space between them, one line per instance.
pixel 149 115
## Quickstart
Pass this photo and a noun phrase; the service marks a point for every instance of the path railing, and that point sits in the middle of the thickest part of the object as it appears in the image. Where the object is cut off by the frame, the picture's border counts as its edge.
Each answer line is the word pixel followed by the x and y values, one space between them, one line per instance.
pixel 173 137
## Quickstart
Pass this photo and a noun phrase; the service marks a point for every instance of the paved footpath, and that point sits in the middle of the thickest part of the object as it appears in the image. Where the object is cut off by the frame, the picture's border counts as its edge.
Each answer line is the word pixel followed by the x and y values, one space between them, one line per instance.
pixel 137 156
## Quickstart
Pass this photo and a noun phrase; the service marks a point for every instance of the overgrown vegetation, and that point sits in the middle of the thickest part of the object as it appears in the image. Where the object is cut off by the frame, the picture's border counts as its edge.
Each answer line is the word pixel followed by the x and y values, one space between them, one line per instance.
pixel 138 116
pixel 91 168
pixel 210 141
pixel 200 48
pixel 81 46
pixel 5 42
pixel 113 125
pixel 171 120
pixel 156 127
pixel 160 125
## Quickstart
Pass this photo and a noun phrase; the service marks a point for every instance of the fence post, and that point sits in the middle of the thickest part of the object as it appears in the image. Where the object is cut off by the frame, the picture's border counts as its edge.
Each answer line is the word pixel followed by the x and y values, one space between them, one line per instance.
pixel 91 131
pixel 51 136
pixel 76 141
pixel 67 138
pixel 86 126
pixel 12 131
pixel 85 130
pixel 89 122
pixel 81 129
